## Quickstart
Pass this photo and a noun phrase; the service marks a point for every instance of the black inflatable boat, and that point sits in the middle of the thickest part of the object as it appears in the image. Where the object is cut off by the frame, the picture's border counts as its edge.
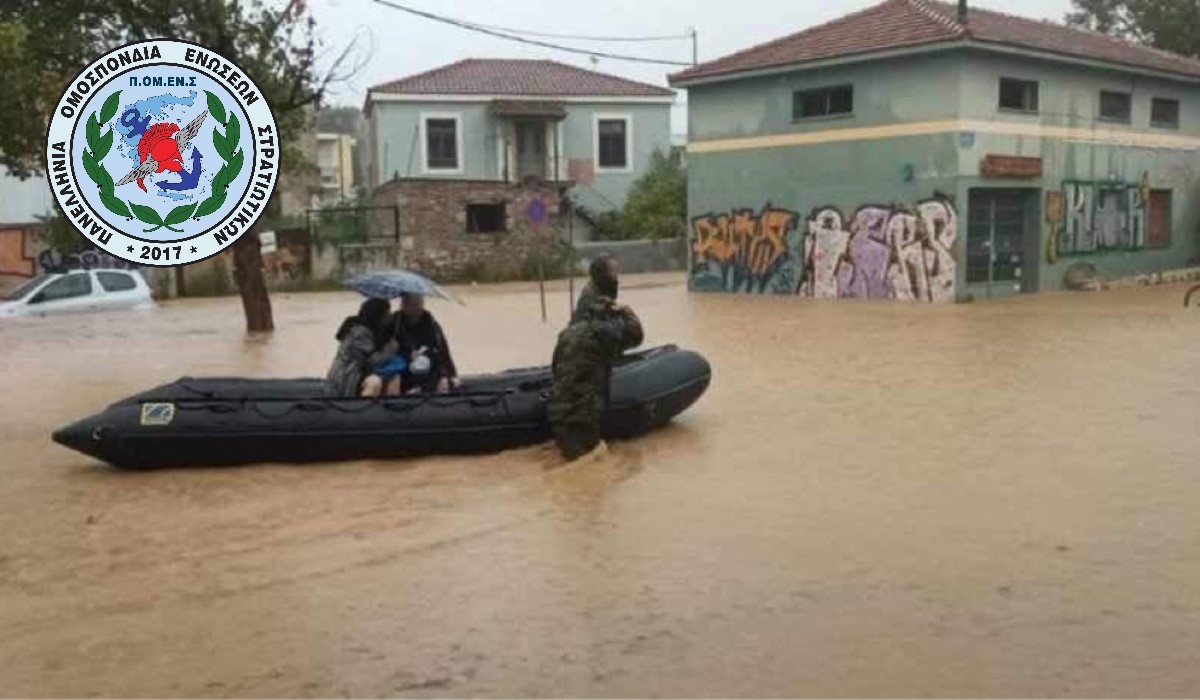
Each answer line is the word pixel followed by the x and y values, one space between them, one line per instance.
pixel 224 421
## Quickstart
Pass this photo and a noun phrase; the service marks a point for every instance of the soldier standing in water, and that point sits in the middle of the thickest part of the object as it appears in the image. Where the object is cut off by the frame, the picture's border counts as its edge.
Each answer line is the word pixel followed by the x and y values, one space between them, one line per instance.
pixel 582 366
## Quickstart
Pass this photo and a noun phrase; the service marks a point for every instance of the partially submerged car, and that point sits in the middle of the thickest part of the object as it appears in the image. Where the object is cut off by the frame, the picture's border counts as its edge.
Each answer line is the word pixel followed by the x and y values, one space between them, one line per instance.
pixel 78 291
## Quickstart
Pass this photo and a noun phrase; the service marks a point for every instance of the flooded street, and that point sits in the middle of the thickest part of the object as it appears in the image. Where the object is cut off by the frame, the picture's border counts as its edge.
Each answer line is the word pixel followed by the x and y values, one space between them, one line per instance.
pixel 872 499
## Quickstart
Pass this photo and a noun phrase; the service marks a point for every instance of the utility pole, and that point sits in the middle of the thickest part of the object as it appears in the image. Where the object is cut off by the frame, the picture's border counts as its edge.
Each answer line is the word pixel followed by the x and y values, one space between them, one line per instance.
pixel 695 45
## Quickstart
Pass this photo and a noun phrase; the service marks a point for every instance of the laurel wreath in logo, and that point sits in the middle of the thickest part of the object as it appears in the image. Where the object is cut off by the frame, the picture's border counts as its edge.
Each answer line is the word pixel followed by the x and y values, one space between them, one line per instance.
pixel 98 146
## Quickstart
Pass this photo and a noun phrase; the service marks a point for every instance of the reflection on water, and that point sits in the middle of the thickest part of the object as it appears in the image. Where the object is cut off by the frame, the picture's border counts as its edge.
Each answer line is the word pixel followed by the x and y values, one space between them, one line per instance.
pixel 872 499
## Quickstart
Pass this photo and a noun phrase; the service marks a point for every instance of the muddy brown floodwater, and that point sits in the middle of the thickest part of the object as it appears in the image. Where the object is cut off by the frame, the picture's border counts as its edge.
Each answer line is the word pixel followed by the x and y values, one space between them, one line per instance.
pixel 872 499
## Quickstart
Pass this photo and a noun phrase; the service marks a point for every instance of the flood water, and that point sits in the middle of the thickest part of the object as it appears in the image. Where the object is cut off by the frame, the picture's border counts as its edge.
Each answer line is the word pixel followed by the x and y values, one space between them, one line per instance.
pixel 996 498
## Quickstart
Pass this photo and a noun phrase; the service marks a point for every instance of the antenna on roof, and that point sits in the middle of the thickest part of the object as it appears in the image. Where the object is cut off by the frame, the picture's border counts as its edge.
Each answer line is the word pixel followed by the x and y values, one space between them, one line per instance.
pixel 962 11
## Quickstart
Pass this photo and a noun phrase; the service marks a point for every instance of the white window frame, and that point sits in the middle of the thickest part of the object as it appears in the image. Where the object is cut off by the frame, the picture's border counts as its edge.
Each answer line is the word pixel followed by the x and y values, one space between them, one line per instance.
pixel 457 117
pixel 628 119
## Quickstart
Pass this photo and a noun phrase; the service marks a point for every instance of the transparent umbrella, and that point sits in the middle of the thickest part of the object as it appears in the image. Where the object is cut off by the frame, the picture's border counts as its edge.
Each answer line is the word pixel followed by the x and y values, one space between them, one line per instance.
pixel 389 284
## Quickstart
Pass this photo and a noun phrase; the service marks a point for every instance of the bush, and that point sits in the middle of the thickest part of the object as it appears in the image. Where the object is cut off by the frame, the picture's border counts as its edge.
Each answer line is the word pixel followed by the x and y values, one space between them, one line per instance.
pixel 610 226
pixel 58 233
pixel 656 206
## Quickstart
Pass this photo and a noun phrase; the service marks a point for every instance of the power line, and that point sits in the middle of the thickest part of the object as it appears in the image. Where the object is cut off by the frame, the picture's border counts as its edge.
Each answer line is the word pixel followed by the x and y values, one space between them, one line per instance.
pixel 504 34
pixel 584 37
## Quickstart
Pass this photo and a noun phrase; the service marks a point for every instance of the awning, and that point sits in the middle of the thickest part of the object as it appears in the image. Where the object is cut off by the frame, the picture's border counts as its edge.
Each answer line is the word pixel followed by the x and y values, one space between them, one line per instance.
pixel 517 109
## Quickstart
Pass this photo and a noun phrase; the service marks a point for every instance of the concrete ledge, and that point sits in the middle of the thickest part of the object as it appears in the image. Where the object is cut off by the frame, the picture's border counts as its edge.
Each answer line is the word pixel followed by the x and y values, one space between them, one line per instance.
pixel 636 256
pixel 1187 274
pixel 356 258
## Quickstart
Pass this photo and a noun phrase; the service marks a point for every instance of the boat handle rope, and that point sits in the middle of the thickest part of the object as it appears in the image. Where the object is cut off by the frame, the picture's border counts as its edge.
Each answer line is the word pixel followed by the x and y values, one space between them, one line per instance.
pixel 267 414
pixel 401 404
pixel 210 407
pixel 312 407
pixel 409 403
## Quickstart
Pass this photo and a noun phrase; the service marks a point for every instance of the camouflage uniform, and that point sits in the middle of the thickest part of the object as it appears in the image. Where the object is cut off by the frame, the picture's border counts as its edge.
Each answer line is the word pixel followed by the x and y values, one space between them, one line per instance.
pixel 588 298
pixel 582 365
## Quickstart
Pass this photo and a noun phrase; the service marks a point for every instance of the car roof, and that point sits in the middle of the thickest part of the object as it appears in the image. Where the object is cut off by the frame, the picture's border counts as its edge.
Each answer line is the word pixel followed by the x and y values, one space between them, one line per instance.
pixel 119 270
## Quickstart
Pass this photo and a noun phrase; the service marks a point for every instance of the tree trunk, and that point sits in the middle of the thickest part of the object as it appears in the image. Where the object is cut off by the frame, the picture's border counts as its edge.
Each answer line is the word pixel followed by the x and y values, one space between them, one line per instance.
pixel 248 274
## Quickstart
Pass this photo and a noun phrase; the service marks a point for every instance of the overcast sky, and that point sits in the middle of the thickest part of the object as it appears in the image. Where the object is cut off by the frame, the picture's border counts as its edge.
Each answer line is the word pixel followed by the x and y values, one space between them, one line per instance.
pixel 394 44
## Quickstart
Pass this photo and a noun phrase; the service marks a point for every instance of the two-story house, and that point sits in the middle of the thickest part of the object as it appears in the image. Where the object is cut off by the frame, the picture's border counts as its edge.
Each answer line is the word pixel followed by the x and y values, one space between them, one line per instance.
pixel 464 151
pixel 924 151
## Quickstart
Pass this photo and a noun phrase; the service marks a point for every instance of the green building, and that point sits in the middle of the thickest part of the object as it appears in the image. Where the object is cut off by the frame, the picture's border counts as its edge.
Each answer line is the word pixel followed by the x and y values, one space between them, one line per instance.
pixel 923 151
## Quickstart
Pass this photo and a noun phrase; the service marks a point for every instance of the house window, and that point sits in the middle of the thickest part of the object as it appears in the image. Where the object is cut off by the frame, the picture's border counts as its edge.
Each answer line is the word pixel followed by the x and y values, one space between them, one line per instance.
pixel 1116 106
pixel 486 218
pixel 1164 113
pixel 68 287
pixel 1019 95
pixel 442 141
pixel 1158 219
pixel 823 102
pixel 612 143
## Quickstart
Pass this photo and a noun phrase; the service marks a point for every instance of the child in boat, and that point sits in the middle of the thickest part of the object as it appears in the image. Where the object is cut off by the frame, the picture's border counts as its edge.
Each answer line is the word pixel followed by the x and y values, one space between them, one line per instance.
pixel 362 365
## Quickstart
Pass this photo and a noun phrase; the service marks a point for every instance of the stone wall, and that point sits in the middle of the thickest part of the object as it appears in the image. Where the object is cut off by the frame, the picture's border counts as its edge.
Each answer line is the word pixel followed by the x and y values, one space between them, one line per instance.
pixel 433 226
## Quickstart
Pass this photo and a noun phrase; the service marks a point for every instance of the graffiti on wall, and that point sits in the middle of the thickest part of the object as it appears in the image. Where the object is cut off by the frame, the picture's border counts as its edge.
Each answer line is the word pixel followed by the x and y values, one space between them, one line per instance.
pixel 18 247
pixel 56 261
pixel 1102 216
pixel 879 252
pixel 743 250
pixel 1109 216
pixel 23 253
pixel 882 252
pixel 1054 219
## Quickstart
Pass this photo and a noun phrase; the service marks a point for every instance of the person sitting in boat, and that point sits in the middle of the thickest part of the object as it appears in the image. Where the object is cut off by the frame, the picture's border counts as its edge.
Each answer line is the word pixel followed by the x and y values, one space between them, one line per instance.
pixel 423 345
pixel 581 369
pixel 605 274
pixel 365 353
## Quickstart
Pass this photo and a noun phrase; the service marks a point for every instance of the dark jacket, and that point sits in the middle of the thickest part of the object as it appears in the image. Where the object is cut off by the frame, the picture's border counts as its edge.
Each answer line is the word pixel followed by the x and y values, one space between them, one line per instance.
pixel 360 350
pixel 426 332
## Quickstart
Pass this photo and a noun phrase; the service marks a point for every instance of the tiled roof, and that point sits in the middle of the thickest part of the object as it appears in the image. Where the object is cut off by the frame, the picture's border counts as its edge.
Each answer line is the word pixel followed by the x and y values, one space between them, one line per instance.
pixel 516 77
pixel 895 24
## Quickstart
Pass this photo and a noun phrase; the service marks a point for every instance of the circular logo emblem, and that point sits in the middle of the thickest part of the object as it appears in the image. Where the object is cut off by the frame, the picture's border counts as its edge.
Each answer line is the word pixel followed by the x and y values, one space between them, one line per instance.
pixel 162 153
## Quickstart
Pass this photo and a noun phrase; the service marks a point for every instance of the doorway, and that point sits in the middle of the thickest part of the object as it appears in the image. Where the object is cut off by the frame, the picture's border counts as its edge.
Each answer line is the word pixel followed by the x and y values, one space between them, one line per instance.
pixel 1002 236
pixel 531 148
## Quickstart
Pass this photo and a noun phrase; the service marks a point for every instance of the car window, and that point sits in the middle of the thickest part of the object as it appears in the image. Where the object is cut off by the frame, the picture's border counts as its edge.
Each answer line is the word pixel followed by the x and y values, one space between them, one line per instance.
pixel 27 288
pixel 78 284
pixel 116 281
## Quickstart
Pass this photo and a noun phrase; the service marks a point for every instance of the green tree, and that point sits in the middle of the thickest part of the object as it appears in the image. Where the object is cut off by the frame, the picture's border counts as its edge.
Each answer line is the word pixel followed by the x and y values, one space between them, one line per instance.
pixel 1170 25
pixel 44 44
pixel 656 206
pixel 59 235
